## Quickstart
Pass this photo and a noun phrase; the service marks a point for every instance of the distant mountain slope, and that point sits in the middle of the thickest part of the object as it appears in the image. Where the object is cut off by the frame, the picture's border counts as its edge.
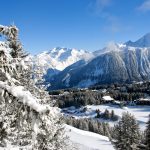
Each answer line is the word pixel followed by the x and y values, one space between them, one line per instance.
pixel 57 59
pixel 122 65
pixel 142 42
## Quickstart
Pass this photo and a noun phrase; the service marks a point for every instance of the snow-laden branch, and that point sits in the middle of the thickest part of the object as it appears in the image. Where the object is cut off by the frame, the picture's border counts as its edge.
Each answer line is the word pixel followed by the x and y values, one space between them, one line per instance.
pixel 9 31
pixel 27 99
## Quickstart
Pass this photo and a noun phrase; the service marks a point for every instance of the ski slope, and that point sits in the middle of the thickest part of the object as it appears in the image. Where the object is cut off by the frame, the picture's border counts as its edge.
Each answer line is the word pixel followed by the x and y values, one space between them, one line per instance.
pixel 85 140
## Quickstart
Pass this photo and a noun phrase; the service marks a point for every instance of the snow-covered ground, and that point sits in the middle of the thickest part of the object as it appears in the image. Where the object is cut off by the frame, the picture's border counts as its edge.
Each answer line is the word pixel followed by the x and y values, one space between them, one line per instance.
pixel 10 147
pixel 141 113
pixel 81 140
pixel 85 140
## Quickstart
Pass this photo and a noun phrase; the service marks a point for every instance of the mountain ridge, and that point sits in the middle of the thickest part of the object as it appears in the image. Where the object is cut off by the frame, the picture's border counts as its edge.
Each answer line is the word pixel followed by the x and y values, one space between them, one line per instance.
pixel 127 65
pixel 142 42
pixel 53 61
pixel 112 64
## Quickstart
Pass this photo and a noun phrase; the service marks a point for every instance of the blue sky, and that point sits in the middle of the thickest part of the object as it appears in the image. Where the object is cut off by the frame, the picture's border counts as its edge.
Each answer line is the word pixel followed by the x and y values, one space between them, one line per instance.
pixel 82 24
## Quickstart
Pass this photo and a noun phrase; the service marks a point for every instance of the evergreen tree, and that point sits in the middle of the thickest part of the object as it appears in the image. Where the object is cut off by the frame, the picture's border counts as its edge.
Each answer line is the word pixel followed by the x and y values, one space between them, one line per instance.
pixel 84 125
pixel 106 129
pixel 147 141
pixel 112 114
pixel 91 126
pixel 98 113
pixel 127 135
pixel 106 114
pixel 11 35
pixel 25 118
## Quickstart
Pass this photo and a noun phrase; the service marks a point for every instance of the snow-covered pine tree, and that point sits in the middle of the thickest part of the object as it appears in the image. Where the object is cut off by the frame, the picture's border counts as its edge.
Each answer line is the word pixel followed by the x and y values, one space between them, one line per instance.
pixel 147 140
pixel 11 35
pixel 126 133
pixel 24 120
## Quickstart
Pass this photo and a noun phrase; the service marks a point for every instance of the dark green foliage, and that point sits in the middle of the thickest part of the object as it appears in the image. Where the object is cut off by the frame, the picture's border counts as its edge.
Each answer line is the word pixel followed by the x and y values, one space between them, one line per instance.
pixel 107 115
pixel 78 99
pixel 98 113
pixel 112 115
pixel 126 94
pixel 56 92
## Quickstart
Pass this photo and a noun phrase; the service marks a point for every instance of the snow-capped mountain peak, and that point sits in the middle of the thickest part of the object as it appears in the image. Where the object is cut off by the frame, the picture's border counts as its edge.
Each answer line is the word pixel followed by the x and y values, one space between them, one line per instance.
pixel 111 46
pixel 59 58
pixel 62 54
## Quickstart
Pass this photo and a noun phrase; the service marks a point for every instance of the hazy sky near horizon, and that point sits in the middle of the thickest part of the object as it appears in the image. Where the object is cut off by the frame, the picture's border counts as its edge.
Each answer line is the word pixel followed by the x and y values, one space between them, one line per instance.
pixel 81 24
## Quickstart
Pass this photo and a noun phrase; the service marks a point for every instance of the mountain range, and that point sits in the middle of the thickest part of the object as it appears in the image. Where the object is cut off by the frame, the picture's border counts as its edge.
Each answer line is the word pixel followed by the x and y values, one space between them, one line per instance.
pixel 53 61
pixel 116 63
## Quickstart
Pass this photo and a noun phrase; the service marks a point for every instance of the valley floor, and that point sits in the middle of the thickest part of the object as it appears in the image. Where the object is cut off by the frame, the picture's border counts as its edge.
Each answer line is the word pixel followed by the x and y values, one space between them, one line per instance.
pixel 141 113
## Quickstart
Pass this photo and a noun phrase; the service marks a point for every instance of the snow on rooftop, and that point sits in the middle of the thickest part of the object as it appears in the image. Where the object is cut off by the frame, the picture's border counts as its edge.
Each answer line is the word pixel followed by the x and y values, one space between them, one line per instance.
pixel 107 98
pixel 144 99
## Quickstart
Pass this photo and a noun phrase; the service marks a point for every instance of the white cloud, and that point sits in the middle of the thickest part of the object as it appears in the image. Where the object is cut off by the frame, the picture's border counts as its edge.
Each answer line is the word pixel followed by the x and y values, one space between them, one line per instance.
pixel 145 6
pixel 100 5
pixel 100 8
pixel 112 21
